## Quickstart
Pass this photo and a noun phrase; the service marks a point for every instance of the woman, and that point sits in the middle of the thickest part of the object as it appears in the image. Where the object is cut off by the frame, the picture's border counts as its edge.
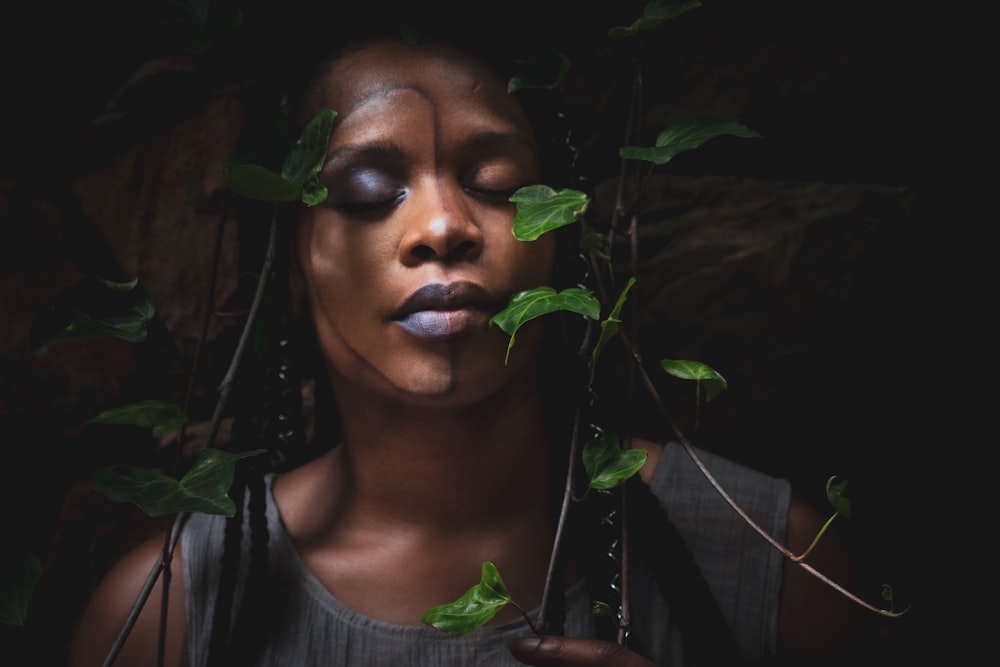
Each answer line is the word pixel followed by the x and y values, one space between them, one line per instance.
pixel 449 454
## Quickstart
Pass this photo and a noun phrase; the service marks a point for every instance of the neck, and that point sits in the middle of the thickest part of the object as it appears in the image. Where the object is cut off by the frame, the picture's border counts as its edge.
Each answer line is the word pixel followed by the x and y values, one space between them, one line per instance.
pixel 402 513
pixel 444 469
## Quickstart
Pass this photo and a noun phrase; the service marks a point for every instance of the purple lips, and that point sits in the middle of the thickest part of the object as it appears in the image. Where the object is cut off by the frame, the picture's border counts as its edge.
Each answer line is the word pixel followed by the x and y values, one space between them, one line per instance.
pixel 443 311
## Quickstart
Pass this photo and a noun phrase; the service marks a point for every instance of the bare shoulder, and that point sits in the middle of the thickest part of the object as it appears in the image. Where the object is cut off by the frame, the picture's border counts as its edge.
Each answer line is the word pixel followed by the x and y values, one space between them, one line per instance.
pixel 112 601
pixel 653 452
pixel 299 491
pixel 816 623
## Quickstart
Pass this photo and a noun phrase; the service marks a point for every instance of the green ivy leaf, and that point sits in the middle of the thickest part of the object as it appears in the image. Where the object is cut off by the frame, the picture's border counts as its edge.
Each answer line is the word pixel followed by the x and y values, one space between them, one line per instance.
pixel 305 159
pixel 93 308
pixel 159 416
pixel 298 177
pixel 204 488
pixel 593 241
pixel 601 609
pixel 260 183
pixel 710 379
pixel 546 69
pixel 529 304
pixel 476 606
pixel 19 586
pixel 541 209
pixel 313 192
pixel 609 327
pixel 684 136
pixel 655 13
pixel 834 494
pixel 607 464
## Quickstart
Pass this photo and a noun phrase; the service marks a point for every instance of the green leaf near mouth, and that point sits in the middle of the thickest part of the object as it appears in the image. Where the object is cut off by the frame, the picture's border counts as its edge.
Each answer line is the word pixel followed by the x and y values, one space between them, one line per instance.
pixel 529 304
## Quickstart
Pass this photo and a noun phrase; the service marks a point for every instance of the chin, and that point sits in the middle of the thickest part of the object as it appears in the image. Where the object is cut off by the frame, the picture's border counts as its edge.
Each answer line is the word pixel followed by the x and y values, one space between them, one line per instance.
pixel 458 382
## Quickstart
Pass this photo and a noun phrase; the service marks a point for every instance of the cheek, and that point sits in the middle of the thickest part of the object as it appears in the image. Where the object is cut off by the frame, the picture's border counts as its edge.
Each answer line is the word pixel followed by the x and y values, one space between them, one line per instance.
pixel 337 267
pixel 352 253
pixel 535 260
pixel 525 264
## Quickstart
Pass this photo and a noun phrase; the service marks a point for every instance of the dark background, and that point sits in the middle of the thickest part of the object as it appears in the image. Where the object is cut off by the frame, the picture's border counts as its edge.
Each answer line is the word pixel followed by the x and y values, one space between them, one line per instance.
pixel 832 270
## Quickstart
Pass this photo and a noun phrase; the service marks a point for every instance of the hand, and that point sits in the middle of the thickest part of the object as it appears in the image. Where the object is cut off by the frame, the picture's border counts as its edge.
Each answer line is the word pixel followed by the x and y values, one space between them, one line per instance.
pixel 569 651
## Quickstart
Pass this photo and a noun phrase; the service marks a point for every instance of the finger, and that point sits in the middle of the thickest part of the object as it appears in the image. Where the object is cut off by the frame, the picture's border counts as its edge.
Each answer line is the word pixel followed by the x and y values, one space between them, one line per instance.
pixel 566 651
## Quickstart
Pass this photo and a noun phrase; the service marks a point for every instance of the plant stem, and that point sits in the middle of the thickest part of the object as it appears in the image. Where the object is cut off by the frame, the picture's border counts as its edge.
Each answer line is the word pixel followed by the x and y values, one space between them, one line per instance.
pixel 534 628
pixel 561 526
pixel 258 297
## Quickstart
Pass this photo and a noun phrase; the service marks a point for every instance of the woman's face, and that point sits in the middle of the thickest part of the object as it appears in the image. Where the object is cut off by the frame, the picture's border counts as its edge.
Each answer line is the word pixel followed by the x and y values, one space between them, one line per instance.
pixel 412 252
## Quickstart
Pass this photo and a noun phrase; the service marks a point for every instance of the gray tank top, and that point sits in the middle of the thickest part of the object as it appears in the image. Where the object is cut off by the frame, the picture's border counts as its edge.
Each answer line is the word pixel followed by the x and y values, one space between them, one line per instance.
pixel 309 626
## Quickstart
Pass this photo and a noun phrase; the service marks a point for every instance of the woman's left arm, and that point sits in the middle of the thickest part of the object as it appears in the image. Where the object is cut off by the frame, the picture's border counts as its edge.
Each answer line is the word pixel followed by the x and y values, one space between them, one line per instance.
pixel 817 625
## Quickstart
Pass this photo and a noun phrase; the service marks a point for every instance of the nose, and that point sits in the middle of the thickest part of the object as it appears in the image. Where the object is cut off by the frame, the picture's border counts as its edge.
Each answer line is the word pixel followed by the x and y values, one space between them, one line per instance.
pixel 440 225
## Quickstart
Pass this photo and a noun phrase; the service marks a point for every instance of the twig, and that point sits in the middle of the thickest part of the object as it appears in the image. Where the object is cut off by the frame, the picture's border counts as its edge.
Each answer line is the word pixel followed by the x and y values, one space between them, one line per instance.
pixel 144 593
pixel 560 528
pixel 226 385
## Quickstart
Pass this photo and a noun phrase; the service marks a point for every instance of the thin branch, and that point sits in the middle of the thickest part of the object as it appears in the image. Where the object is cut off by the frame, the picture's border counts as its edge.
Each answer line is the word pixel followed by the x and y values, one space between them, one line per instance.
pixel 166 559
pixel 227 382
pixel 207 316
pixel 536 629
pixel 624 612
pixel 144 593
pixel 625 618
pixel 561 526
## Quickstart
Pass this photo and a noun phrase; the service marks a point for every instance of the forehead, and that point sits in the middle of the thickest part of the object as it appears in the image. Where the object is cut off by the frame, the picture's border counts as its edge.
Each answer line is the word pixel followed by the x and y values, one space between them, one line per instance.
pixel 449 80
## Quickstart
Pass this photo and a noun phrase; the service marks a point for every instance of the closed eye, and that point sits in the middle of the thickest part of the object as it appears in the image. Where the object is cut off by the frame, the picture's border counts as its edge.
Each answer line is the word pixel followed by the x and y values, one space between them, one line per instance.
pixel 365 191
pixel 492 196
pixel 368 207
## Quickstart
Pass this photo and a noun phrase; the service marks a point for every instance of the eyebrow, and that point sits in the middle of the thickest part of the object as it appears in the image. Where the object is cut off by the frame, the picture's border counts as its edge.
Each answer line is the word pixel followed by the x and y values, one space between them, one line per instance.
pixel 385 151
pixel 488 139
pixel 494 139
pixel 366 151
